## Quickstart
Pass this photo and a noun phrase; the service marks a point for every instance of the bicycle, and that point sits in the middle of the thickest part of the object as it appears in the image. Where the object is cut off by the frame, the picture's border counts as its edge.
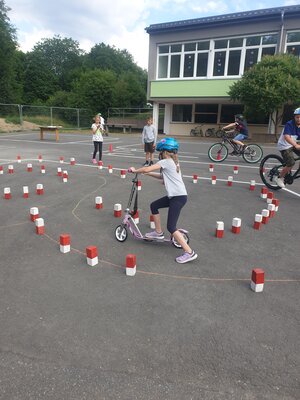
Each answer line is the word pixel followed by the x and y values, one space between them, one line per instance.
pixel 270 168
pixel 197 131
pixel 214 132
pixel 218 152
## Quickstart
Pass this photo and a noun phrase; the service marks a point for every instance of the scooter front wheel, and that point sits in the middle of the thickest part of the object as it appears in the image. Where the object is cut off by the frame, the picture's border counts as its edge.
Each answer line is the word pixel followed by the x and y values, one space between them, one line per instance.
pixel 178 245
pixel 121 233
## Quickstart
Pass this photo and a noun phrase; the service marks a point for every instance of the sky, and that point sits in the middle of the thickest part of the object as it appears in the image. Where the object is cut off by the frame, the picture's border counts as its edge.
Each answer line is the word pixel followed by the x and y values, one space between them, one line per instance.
pixel 119 23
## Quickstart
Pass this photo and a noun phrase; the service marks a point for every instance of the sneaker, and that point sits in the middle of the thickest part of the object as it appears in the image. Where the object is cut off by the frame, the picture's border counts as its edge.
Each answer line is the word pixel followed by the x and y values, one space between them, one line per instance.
pixel 154 235
pixel 150 163
pixel 94 161
pixel 279 182
pixel 146 164
pixel 186 257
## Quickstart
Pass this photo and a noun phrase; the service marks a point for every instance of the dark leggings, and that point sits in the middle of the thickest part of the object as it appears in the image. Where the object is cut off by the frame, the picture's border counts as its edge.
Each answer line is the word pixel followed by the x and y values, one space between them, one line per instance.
pixel 98 145
pixel 175 205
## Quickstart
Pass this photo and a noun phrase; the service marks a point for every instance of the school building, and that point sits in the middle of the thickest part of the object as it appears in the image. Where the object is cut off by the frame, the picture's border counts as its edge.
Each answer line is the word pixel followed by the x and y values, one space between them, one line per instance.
pixel 193 63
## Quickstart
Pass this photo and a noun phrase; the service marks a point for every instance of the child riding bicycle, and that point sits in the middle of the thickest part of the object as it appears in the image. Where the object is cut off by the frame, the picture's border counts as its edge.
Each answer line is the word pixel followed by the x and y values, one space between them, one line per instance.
pixel 240 126
pixel 176 195
pixel 287 145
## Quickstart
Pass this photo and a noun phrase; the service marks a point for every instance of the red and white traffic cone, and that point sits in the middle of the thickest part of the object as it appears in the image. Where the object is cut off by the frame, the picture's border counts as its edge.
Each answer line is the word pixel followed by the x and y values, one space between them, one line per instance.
pixel 64 243
pixel 100 164
pixel 39 189
pixel 25 192
pixel 195 178
pixel 98 201
pixel 263 192
pixel 1 170
pixel 92 255
pixel 39 226
pixel 130 264
pixel 213 180
pixel 152 224
pixel 7 193
pixel 136 217
pixel 40 158
pixel 10 169
pixel 270 197
pixel 276 204
pixel 229 181
pixel 118 210
pixel 257 221
pixel 65 176
pixel 257 280
pixel 265 216
pixel 219 229
pixel 72 161
pixel 61 159
pixel 34 213
pixel 110 169
pixel 43 169
pixel 139 185
pixel 59 171
pixel 271 209
pixel 236 225
pixel 211 167
pixel 123 173
pixel 18 159
pixel 235 169
pixel 29 167
pixel 252 185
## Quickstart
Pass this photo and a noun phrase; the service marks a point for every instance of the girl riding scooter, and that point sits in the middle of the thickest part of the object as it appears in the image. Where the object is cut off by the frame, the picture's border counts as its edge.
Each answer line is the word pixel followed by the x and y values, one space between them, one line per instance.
pixel 176 195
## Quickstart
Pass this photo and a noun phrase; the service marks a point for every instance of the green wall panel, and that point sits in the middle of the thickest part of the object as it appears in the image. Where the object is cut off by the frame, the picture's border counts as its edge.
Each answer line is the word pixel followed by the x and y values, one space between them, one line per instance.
pixel 194 88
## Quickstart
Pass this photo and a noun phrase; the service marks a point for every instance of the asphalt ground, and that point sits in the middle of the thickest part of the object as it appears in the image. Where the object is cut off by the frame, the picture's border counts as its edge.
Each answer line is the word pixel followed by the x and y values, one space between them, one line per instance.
pixel 191 331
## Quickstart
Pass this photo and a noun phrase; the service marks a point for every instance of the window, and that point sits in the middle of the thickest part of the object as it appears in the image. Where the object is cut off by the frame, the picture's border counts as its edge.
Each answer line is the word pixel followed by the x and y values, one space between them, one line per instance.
pixel 219 57
pixel 182 113
pixel 206 113
pixel 293 43
pixel 228 111
pixel 288 113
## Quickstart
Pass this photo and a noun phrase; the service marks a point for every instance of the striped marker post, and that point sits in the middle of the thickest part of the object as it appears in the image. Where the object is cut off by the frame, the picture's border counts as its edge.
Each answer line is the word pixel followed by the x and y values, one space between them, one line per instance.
pixel 43 170
pixel 130 264
pixel 33 213
pixel 211 167
pixel 10 169
pixel 252 185
pixel 236 225
pixel 136 217
pixel 265 216
pixel 139 185
pixel 276 204
pixel 29 167
pixel 257 280
pixel 123 173
pixel 270 197
pixel 264 192
pixel 99 203
pixel 65 176
pixel 117 210
pixel 110 169
pixel 40 158
pixel 7 193
pixel 229 181
pixel 92 255
pixel 100 164
pixel 257 221
pixel 61 159
pixel 39 189
pixel 64 243
pixel 219 229
pixel 59 171
pixel 195 178
pixel 39 226
pixel 18 159
pixel 1 170
pixel 25 192
pixel 213 180
pixel 235 169
pixel 72 161
pixel 271 209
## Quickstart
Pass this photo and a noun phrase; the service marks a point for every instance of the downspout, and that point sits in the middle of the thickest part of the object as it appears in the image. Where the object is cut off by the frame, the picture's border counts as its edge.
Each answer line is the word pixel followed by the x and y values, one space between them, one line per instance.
pixel 281 32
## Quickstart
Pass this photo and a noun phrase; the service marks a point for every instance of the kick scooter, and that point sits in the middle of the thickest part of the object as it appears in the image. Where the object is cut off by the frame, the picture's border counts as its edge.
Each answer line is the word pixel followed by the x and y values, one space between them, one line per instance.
pixel 128 222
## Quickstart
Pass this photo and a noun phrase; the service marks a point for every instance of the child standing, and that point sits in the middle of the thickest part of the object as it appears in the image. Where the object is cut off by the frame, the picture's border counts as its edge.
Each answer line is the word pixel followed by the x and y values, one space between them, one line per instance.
pixel 97 129
pixel 149 137
pixel 176 195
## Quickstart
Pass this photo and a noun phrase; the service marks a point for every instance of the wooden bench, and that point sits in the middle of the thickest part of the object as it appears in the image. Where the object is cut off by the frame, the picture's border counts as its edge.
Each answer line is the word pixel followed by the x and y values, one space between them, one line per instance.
pixel 49 128
pixel 124 126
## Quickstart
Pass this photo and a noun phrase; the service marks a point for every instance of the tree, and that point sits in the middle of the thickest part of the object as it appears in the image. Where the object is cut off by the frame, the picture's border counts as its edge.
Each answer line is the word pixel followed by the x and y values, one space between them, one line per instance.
pixel 62 55
pixel 8 89
pixel 268 86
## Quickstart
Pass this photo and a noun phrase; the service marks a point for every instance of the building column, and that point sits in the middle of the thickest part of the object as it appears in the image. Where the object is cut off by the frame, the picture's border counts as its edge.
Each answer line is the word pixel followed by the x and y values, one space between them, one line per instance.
pixel 155 115
pixel 271 126
pixel 167 118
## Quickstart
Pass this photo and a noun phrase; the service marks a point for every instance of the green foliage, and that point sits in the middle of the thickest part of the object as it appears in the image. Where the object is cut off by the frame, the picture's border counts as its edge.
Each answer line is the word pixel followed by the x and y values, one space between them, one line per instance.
pixel 269 85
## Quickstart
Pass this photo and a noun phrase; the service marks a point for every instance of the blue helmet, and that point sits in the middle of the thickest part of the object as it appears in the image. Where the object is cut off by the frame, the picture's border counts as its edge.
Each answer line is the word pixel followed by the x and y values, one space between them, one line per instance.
pixel 168 144
pixel 297 111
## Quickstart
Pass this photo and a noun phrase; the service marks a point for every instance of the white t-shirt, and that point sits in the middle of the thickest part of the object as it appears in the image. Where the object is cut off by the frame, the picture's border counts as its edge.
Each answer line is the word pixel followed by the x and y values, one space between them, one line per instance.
pixel 172 179
pixel 97 136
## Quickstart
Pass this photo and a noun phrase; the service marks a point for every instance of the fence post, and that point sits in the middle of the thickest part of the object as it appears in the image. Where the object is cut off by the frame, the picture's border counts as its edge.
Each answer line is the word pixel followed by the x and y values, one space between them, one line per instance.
pixel 51 116
pixel 78 119
pixel 20 106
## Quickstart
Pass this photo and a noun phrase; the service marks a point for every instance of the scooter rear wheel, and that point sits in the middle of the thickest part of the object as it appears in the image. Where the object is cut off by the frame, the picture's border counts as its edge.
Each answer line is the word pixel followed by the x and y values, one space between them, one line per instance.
pixel 121 233
pixel 176 244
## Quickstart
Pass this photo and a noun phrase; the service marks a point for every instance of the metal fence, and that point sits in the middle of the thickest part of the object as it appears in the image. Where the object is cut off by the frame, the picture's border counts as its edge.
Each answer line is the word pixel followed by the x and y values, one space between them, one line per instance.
pixel 135 117
pixel 29 116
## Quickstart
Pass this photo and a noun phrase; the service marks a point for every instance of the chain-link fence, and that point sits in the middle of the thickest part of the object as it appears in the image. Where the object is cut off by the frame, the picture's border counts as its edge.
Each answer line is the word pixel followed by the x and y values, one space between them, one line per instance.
pixel 31 117
pixel 135 118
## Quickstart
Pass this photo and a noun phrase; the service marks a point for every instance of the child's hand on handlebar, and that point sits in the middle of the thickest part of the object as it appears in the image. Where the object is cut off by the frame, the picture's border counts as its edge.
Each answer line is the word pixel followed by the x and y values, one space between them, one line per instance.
pixel 131 170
